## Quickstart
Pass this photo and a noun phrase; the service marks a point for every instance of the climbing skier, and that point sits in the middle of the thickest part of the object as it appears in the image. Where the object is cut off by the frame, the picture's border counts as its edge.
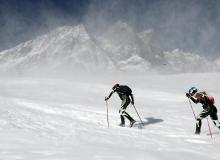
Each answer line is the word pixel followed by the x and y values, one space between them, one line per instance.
pixel 209 109
pixel 125 94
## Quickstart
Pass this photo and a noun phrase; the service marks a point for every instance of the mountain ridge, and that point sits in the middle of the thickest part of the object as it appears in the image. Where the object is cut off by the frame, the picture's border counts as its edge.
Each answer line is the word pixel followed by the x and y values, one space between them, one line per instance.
pixel 120 48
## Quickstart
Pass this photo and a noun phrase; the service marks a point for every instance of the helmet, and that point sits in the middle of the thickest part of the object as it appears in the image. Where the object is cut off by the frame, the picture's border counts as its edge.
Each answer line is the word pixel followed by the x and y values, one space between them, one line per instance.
pixel 193 90
pixel 115 86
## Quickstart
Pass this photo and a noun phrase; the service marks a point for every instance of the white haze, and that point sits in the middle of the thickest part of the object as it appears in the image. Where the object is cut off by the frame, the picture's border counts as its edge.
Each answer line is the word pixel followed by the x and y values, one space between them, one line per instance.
pixel 73 50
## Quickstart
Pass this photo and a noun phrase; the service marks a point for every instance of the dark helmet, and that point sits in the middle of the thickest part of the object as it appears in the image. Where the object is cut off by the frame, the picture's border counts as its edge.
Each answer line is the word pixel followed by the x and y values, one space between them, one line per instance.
pixel 115 86
pixel 192 90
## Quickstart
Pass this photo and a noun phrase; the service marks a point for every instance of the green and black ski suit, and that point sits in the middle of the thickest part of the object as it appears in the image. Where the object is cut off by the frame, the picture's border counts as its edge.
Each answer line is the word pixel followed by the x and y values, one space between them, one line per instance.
pixel 209 109
pixel 125 97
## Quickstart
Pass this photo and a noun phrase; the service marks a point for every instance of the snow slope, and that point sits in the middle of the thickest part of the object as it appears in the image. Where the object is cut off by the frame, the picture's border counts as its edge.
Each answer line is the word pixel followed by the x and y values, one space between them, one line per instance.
pixel 65 119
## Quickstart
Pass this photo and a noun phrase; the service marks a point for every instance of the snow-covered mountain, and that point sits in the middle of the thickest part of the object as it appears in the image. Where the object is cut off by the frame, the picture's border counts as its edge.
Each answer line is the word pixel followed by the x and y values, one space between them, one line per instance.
pixel 130 50
pixel 68 48
pixel 71 49
pixel 179 61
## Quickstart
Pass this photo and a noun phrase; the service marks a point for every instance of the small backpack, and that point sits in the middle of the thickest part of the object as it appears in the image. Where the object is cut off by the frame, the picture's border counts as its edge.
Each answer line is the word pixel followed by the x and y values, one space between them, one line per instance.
pixel 211 99
pixel 201 95
pixel 125 89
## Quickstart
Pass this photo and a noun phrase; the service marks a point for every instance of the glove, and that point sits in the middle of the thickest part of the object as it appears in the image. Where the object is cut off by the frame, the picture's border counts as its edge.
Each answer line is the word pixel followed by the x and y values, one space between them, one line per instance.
pixel 132 102
pixel 188 95
pixel 106 98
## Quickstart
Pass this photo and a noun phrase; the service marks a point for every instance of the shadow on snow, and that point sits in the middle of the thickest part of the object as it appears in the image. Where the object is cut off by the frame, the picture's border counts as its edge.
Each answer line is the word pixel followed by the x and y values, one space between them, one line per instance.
pixel 148 121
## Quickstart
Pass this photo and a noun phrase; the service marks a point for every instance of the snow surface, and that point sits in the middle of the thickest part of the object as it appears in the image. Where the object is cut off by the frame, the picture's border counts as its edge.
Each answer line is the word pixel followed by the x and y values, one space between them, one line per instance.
pixel 65 119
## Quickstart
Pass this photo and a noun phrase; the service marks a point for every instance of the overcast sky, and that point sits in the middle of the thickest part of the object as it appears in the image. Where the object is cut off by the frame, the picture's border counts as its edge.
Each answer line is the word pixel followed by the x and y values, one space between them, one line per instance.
pixel 191 25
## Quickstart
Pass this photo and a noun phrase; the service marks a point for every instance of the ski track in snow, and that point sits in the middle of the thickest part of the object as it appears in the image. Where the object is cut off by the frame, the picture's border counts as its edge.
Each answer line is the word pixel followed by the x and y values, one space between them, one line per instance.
pixel 53 125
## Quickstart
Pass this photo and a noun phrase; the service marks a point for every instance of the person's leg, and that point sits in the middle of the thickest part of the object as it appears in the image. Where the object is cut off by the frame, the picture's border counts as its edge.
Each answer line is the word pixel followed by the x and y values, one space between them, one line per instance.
pixel 214 117
pixel 198 126
pixel 122 121
pixel 123 113
pixel 199 118
pixel 121 110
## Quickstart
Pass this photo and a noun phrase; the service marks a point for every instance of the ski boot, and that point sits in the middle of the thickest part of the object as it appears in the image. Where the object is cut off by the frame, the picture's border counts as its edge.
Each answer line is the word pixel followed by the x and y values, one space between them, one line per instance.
pixel 198 126
pixel 198 129
pixel 122 124
pixel 132 123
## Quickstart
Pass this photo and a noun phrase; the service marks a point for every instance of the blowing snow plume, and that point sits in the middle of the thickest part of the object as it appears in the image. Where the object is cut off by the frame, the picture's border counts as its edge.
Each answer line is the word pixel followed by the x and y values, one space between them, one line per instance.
pixel 66 49
pixel 71 49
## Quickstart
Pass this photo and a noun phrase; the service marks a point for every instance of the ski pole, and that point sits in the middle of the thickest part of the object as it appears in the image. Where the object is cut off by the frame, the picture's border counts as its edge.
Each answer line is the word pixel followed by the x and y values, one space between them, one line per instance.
pixel 107 112
pixel 210 132
pixel 138 114
pixel 192 108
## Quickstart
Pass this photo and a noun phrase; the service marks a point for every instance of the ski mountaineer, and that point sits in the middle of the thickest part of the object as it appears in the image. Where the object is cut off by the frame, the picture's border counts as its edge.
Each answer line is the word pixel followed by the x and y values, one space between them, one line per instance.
pixel 209 109
pixel 125 93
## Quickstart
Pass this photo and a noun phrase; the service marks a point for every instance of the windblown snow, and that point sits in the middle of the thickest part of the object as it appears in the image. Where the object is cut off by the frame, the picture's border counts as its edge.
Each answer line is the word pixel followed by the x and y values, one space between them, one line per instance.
pixel 71 49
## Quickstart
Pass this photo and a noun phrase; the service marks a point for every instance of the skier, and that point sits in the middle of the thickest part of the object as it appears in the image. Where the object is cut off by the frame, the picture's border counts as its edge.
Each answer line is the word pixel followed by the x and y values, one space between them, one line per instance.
pixel 209 109
pixel 125 93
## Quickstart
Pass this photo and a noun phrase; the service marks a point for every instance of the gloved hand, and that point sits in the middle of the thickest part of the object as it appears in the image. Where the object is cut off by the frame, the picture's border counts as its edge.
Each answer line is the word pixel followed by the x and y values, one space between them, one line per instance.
pixel 188 95
pixel 132 102
pixel 106 98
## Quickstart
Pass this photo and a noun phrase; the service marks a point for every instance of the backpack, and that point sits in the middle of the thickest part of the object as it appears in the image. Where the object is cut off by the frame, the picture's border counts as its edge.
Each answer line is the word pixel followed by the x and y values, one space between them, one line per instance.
pixel 125 89
pixel 201 95
pixel 211 100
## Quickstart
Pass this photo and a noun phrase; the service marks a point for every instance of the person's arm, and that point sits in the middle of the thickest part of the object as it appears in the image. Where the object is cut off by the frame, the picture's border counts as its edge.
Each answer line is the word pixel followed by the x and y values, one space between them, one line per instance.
pixel 132 99
pixel 192 98
pixel 106 98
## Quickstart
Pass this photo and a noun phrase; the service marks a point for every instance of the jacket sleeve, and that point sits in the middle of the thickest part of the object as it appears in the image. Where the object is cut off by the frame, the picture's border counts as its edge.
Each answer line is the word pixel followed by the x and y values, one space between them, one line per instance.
pixel 110 94
pixel 194 100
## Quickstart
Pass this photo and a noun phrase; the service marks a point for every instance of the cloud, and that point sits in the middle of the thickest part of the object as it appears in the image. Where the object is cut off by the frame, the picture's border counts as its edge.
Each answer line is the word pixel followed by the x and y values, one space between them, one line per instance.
pixel 191 25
